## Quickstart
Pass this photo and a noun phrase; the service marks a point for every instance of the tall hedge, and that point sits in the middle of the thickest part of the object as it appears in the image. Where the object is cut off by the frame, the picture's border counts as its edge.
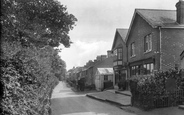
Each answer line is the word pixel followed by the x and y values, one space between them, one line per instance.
pixel 30 66
pixel 151 91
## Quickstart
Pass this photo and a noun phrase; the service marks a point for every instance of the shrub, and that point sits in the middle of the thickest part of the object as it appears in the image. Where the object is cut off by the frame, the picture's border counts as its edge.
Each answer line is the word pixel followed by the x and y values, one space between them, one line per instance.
pixel 148 88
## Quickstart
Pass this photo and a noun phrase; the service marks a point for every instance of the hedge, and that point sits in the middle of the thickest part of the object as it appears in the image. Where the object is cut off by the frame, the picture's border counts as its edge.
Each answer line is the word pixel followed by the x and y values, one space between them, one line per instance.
pixel 149 91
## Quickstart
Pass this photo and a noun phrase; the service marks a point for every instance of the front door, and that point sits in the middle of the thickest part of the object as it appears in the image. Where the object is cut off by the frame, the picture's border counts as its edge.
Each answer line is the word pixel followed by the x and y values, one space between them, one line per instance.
pixel 116 77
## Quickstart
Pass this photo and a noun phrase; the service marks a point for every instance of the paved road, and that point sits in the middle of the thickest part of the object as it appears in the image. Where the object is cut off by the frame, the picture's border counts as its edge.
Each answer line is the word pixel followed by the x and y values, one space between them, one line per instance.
pixel 66 102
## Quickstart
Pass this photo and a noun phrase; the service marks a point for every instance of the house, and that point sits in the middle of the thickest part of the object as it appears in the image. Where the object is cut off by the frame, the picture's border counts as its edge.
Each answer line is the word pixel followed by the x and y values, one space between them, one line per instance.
pixel 103 77
pixel 182 60
pixel 99 62
pixel 155 40
pixel 120 55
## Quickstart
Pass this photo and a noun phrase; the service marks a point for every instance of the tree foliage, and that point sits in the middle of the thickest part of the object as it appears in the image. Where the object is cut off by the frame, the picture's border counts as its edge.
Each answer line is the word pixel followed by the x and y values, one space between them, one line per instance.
pixel 41 22
pixel 30 65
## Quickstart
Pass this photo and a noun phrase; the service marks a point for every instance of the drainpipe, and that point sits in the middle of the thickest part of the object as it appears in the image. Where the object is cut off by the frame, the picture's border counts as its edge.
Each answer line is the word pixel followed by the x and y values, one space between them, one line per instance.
pixel 127 66
pixel 160 36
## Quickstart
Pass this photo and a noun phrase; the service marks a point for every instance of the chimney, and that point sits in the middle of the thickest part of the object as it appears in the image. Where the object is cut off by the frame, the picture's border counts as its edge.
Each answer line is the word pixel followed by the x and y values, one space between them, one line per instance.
pixel 103 57
pixel 180 12
pixel 98 58
pixel 109 53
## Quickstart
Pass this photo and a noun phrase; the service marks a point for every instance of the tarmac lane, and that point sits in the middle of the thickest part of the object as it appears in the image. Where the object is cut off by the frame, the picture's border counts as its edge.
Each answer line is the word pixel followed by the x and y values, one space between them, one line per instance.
pixel 67 102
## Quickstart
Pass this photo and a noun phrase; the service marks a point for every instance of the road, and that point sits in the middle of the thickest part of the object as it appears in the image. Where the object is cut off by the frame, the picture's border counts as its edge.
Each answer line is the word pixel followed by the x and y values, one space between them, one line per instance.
pixel 67 102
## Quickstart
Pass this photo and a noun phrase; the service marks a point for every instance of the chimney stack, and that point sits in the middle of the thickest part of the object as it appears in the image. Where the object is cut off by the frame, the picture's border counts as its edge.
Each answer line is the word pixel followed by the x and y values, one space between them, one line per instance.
pixel 109 53
pixel 180 12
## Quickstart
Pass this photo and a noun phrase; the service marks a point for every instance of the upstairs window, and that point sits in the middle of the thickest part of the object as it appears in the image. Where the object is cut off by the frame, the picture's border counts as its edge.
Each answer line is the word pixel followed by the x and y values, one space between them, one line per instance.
pixel 120 53
pixel 133 49
pixel 148 43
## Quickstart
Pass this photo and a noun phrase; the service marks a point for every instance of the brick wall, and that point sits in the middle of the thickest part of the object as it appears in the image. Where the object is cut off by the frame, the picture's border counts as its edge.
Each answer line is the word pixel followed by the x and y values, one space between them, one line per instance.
pixel 172 46
pixel 139 30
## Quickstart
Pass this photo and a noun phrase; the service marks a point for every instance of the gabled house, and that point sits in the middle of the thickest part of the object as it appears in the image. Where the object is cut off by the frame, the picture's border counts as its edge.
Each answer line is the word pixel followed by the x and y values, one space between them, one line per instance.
pixel 155 40
pixel 120 55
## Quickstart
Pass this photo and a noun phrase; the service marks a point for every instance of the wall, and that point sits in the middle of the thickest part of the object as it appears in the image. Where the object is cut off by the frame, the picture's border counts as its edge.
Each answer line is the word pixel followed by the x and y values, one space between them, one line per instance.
pixel 172 46
pixel 139 30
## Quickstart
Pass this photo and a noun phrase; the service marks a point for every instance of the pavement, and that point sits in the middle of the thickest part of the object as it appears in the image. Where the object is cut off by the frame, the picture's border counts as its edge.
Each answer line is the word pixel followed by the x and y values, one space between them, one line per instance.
pixel 121 98
pixel 67 101
pixel 127 93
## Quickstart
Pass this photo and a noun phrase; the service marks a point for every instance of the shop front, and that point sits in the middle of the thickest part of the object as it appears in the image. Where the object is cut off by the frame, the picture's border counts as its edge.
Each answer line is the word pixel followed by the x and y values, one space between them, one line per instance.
pixel 142 67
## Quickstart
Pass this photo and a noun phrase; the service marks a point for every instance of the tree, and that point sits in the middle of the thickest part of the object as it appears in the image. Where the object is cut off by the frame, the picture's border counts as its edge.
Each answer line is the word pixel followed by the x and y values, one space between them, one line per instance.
pixel 41 22
pixel 31 29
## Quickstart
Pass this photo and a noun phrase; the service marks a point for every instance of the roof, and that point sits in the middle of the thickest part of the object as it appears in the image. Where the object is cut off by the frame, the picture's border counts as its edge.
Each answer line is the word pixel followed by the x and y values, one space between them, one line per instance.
pixel 122 32
pixel 105 71
pixel 156 17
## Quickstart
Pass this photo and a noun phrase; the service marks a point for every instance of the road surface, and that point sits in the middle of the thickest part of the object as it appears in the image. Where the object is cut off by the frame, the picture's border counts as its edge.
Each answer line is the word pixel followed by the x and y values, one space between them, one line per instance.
pixel 67 102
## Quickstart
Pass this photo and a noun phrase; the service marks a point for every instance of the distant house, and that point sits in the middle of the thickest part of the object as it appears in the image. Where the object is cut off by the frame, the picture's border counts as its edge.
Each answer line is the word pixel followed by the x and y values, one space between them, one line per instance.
pixel 101 63
pixel 182 59
pixel 155 40
pixel 103 77
pixel 120 54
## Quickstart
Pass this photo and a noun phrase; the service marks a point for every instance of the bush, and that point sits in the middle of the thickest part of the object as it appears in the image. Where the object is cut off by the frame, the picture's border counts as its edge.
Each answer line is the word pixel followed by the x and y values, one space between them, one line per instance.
pixel 146 89
pixel 27 80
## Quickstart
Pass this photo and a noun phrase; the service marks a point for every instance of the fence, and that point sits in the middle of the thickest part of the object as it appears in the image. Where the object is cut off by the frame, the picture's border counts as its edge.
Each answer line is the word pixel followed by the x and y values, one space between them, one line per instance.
pixel 149 101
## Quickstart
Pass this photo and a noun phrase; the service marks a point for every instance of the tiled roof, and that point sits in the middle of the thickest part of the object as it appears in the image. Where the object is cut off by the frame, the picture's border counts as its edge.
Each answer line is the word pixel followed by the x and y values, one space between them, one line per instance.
pixel 163 18
pixel 123 33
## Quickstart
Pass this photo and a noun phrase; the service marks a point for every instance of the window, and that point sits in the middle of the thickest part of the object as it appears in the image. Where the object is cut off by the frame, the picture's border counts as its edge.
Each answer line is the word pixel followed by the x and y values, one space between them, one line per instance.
pixel 148 43
pixel 145 69
pixel 132 49
pixel 133 70
pixel 148 68
pixel 115 52
pixel 105 77
pixel 120 53
pixel 136 70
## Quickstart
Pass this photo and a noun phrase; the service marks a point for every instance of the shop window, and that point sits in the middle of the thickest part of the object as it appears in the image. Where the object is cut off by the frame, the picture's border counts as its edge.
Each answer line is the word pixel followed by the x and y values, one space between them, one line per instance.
pixel 136 70
pixel 148 68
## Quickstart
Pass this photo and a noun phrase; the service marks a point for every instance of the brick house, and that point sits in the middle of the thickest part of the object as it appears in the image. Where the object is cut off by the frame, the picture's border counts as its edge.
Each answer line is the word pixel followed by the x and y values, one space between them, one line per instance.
pixel 155 40
pixel 120 55
pixel 100 62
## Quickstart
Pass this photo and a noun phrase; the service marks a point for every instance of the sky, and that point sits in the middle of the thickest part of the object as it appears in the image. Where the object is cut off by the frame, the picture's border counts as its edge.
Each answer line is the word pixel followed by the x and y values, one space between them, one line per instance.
pixel 97 22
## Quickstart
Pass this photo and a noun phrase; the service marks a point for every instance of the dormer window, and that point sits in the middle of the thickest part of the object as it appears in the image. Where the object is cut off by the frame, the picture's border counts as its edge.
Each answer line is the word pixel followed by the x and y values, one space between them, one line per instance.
pixel 148 43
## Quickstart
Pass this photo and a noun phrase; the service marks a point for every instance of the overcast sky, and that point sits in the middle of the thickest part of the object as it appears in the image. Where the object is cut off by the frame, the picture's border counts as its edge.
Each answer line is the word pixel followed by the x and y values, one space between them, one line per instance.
pixel 97 21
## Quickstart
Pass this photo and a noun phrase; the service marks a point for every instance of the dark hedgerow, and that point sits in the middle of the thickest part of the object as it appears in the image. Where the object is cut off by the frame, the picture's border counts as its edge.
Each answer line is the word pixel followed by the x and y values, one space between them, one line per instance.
pixel 150 91
pixel 31 30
